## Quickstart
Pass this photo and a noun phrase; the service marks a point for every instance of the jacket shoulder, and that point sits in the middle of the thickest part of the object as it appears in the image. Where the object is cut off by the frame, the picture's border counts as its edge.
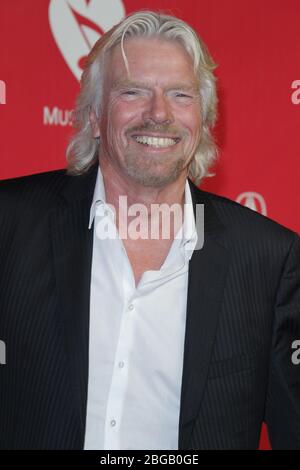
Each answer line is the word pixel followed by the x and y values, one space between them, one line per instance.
pixel 40 189
pixel 246 222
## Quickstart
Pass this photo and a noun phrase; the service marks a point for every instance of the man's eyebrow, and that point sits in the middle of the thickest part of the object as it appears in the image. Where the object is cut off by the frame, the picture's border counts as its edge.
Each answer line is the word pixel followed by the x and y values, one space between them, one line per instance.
pixel 123 83
pixel 119 84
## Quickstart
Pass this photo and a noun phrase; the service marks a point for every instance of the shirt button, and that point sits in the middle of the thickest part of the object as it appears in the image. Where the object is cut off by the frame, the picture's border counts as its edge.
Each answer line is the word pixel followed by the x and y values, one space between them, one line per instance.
pixel 121 364
pixel 131 307
pixel 113 422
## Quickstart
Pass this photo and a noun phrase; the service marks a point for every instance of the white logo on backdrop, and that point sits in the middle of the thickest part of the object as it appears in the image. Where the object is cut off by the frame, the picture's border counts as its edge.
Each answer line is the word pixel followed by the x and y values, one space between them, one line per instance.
pixel 77 24
pixel 254 201
pixel 2 92
pixel 296 94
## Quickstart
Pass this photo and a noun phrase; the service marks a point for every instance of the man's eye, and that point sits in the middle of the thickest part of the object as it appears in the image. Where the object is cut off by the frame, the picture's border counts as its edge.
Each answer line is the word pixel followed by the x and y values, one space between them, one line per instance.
pixel 182 95
pixel 129 92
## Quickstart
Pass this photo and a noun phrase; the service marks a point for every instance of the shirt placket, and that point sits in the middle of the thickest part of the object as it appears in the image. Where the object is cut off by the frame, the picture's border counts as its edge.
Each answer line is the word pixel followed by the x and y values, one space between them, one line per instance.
pixel 119 382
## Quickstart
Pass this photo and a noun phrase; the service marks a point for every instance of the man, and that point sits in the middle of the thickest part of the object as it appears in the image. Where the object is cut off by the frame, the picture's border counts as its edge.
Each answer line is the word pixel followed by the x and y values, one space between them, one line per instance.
pixel 122 342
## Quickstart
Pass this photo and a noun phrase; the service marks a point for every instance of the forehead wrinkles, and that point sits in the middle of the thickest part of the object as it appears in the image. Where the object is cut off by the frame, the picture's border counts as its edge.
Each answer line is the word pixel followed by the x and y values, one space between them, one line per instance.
pixel 188 86
pixel 177 61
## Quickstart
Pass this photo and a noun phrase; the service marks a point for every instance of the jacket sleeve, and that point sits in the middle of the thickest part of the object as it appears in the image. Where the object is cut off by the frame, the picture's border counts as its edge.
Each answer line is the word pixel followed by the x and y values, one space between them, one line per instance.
pixel 282 412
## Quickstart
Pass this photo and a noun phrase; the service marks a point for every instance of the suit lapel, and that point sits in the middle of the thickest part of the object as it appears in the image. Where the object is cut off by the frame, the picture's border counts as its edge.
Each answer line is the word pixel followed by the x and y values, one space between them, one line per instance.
pixel 207 275
pixel 72 249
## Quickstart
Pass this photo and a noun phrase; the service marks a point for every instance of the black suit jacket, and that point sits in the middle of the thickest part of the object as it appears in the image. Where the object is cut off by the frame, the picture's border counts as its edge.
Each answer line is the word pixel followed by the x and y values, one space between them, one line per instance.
pixel 243 313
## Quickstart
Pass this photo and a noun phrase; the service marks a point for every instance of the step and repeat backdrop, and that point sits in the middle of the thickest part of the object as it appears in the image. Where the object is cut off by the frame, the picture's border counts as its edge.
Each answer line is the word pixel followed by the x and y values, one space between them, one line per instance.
pixel 255 43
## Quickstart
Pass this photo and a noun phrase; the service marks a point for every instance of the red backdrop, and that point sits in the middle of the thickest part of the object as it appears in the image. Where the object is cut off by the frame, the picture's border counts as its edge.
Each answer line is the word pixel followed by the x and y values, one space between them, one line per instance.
pixel 255 43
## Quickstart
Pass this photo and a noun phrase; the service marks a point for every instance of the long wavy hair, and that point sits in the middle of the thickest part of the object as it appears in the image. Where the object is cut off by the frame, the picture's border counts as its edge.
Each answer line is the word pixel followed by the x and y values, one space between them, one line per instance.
pixel 83 149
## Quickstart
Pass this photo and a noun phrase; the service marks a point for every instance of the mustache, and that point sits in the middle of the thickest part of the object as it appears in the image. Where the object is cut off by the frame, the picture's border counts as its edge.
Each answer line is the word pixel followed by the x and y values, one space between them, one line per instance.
pixel 161 128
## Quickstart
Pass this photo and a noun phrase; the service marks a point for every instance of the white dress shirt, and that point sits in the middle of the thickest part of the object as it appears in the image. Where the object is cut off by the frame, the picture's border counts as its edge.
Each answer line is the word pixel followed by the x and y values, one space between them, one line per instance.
pixel 136 340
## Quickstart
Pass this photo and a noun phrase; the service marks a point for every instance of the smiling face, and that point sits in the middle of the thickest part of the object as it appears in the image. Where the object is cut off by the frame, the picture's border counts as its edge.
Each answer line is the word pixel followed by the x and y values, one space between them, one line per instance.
pixel 150 121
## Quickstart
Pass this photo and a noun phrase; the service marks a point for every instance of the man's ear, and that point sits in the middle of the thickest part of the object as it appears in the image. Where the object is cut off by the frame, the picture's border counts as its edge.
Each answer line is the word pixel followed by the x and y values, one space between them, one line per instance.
pixel 94 124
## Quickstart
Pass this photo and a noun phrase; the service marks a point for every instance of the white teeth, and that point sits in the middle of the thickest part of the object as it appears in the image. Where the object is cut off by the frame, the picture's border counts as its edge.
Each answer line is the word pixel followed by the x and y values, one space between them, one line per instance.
pixel 155 141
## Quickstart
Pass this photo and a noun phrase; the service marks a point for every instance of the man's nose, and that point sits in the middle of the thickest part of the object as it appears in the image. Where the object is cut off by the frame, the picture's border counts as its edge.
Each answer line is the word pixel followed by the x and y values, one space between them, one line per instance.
pixel 159 109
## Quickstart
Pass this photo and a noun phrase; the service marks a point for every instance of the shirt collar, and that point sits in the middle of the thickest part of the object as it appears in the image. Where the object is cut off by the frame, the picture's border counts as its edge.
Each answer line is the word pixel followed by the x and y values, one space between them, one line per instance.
pixel 189 238
pixel 189 228
pixel 99 195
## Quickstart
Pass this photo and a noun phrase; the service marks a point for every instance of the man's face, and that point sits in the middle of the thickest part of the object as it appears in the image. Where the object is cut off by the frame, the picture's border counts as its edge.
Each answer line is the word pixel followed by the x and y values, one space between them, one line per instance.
pixel 150 122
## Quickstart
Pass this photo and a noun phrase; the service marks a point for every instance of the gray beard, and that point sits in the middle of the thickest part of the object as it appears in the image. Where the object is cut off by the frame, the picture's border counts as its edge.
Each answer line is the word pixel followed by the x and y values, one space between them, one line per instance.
pixel 145 176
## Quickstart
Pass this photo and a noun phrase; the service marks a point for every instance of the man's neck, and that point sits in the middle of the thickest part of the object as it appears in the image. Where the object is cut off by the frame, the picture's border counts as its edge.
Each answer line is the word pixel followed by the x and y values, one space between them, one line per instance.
pixel 117 185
